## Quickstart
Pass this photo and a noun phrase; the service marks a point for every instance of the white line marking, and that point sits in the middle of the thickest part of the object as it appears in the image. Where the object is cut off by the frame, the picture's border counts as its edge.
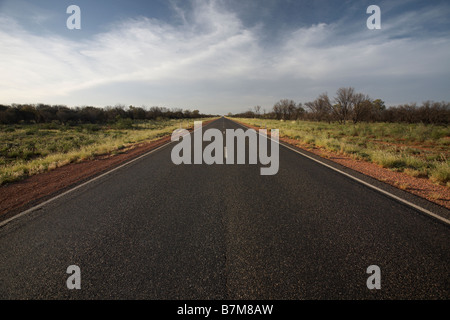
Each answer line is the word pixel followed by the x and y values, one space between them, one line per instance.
pixel 447 221
pixel 5 222
pixel 81 185
pixel 225 152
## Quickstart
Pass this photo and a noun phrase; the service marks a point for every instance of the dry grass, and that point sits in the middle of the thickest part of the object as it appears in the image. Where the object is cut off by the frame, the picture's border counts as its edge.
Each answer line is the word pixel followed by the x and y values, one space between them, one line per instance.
pixel 26 150
pixel 416 149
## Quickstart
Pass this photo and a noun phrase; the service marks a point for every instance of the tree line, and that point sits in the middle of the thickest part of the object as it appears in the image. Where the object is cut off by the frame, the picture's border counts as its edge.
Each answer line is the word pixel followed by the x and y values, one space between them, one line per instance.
pixel 350 106
pixel 43 113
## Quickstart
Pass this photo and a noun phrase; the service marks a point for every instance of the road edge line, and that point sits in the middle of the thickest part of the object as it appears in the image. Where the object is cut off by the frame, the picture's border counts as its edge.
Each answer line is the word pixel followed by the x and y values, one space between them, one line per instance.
pixel 417 207
pixel 40 205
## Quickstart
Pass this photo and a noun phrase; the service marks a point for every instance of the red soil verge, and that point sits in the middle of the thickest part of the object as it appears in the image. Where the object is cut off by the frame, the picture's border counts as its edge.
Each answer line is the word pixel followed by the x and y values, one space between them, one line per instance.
pixel 21 195
pixel 421 187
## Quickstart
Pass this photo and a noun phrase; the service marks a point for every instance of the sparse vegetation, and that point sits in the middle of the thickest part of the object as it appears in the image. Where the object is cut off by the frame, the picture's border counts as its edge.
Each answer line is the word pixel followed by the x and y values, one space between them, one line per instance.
pixel 409 138
pixel 60 114
pixel 418 150
pixel 349 106
pixel 28 149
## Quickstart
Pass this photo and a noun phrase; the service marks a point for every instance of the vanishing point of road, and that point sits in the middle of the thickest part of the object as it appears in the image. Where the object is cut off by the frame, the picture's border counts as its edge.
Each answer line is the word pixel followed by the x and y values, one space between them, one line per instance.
pixel 156 230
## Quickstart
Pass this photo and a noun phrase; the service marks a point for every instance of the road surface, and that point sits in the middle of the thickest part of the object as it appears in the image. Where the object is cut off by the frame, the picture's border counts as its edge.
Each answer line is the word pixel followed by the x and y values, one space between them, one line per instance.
pixel 155 230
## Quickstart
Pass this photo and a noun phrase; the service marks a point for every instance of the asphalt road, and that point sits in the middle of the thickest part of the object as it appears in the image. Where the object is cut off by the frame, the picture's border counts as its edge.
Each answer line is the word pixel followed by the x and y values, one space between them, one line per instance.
pixel 155 230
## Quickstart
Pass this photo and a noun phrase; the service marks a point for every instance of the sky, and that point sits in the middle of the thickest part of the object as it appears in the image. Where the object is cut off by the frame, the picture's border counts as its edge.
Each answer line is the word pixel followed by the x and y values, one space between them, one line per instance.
pixel 221 56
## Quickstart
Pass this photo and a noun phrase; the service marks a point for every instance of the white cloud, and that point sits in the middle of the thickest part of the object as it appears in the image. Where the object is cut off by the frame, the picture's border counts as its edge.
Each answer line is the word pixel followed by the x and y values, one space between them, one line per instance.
pixel 214 55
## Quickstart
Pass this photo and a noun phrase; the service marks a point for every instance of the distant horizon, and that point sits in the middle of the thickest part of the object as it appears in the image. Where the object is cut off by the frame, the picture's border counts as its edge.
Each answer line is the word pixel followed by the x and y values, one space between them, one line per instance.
pixel 221 56
pixel 245 109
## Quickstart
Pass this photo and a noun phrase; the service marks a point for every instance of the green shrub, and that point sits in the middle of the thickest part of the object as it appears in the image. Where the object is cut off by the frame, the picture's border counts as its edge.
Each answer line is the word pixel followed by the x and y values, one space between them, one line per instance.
pixel 441 173
pixel 124 124
pixel 91 127
pixel 31 131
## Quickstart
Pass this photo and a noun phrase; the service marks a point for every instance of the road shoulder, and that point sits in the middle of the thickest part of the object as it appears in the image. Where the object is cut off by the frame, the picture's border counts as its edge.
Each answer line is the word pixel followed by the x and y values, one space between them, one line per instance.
pixel 419 191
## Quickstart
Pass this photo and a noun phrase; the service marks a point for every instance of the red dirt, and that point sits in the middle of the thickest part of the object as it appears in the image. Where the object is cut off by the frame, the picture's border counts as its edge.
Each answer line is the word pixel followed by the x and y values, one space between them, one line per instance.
pixel 421 187
pixel 37 187
pixel 427 148
pixel 20 195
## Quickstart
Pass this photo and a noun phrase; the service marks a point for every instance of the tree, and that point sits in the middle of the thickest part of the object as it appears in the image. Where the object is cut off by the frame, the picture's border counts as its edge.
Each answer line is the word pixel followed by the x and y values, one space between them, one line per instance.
pixel 343 103
pixel 277 111
pixel 46 113
pixel 284 109
pixel 65 114
pixel 361 107
pixel 299 111
pixel 378 107
pixel 257 110
pixel 351 105
pixel 320 108
pixel 28 113
pixel 136 113
pixel 92 115
pixel 9 115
